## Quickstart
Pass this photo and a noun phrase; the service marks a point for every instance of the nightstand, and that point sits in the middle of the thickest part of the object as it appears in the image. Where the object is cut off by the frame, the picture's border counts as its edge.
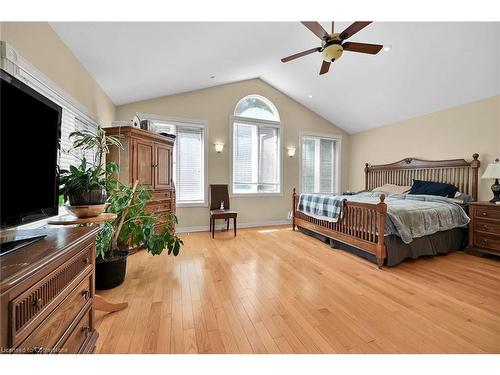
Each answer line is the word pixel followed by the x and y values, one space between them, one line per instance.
pixel 484 228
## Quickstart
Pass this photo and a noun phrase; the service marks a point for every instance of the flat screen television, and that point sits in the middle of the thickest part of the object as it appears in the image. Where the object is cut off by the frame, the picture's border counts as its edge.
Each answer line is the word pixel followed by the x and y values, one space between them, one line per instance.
pixel 30 137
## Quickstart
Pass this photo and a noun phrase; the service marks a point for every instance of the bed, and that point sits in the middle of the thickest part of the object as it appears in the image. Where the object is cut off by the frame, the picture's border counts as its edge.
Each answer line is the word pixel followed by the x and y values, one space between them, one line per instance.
pixel 362 229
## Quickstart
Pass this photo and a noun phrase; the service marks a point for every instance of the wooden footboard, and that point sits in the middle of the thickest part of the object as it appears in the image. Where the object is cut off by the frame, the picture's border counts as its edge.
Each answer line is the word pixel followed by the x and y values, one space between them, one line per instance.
pixel 361 226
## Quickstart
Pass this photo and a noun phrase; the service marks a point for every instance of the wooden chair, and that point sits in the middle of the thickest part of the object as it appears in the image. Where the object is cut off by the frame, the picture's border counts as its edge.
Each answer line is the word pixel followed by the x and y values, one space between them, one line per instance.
pixel 218 194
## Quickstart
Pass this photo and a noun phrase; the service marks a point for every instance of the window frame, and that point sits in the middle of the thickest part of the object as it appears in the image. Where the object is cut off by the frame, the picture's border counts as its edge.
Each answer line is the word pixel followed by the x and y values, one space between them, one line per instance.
pixel 258 122
pixel 338 154
pixel 188 123
pixel 269 103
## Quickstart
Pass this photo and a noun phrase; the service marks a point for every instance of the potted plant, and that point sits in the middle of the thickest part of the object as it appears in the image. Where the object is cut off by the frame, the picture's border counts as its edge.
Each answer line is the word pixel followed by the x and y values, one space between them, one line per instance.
pixel 134 226
pixel 84 186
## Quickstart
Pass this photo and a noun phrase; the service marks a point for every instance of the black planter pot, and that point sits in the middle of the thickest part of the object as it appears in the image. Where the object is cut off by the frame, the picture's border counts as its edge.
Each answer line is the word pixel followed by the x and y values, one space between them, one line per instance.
pixel 88 197
pixel 110 272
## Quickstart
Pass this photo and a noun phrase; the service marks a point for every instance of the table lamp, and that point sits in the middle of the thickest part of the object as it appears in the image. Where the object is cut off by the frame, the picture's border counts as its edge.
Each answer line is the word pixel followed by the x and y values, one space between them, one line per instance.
pixel 493 172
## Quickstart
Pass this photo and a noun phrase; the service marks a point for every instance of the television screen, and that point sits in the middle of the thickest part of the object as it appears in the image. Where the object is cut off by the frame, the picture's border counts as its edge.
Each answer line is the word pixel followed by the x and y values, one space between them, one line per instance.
pixel 30 135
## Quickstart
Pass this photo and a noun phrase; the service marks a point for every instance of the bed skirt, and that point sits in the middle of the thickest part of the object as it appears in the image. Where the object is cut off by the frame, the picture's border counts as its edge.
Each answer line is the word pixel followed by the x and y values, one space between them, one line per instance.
pixel 397 251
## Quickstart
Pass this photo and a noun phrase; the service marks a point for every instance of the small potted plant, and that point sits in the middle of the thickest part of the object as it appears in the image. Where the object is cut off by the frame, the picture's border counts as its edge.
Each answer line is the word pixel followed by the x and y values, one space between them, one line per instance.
pixel 84 186
pixel 133 227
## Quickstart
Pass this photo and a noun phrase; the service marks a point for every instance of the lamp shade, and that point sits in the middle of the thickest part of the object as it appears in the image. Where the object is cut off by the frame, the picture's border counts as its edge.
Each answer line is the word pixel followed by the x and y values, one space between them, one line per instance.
pixel 492 171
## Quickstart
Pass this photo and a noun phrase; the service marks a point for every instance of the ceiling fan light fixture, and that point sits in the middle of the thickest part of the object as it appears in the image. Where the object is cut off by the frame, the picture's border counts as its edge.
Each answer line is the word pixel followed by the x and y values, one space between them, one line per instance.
pixel 332 52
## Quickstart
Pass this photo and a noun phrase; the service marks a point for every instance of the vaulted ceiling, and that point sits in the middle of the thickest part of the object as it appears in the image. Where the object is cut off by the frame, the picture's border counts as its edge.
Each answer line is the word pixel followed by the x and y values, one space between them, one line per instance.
pixel 431 66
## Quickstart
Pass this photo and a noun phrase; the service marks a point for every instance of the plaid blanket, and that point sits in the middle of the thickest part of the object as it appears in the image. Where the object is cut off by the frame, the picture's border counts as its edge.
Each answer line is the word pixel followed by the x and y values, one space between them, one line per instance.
pixel 325 207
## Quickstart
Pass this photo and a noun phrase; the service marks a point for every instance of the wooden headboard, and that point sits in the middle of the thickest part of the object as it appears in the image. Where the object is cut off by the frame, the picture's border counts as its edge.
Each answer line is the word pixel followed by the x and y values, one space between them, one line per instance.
pixel 459 172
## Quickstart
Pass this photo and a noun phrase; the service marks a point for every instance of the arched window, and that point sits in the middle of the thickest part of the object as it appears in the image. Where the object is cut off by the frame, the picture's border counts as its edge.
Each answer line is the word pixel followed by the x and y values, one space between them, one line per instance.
pixel 256 106
pixel 256 147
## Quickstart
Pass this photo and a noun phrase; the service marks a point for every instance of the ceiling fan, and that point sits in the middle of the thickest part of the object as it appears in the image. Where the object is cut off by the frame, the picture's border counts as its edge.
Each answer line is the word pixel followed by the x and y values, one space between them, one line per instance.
pixel 333 45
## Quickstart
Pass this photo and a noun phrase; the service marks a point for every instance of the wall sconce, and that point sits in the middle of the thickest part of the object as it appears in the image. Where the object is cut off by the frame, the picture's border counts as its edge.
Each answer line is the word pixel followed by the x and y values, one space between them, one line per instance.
pixel 291 151
pixel 219 147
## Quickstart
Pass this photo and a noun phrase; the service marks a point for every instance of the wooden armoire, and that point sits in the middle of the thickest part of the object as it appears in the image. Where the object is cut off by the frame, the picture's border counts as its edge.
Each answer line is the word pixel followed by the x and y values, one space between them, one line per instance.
pixel 147 157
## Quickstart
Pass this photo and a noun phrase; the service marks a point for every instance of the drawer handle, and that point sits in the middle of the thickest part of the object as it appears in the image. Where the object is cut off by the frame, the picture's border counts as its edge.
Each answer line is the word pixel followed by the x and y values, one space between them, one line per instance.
pixel 86 294
pixel 485 226
pixel 36 350
pixel 86 260
pixel 485 240
pixel 485 214
pixel 38 303
pixel 85 330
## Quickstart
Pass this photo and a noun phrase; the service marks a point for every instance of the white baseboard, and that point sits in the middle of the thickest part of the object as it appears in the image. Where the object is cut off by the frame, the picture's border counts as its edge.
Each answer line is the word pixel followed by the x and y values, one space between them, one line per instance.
pixel 205 228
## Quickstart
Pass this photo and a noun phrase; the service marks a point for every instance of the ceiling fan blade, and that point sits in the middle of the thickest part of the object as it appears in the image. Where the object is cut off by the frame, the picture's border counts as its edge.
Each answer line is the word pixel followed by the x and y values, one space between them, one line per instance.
pixel 317 29
pixel 372 49
pixel 300 54
pixel 353 29
pixel 324 67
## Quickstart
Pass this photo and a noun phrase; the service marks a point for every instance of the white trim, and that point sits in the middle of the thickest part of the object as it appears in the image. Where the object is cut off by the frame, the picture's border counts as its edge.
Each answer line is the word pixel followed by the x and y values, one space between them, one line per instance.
pixel 338 156
pixel 252 121
pixel 16 65
pixel 205 228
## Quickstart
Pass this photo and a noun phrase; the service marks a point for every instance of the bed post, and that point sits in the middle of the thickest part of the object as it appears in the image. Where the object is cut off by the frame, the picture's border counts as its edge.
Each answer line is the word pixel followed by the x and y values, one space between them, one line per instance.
pixel 366 176
pixel 381 250
pixel 475 169
pixel 294 208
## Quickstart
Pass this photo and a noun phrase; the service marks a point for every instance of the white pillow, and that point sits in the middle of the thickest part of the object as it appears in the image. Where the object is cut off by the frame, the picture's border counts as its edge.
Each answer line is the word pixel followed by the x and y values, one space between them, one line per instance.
pixel 393 189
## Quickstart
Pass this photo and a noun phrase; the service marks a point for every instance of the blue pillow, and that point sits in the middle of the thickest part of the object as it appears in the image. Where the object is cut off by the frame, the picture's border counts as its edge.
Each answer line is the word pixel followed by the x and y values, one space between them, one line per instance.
pixel 433 188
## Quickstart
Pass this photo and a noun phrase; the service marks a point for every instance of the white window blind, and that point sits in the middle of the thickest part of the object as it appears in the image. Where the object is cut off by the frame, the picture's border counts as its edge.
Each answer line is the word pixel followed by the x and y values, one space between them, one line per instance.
pixel 71 123
pixel 256 157
pixel 190 155
pixel 319 164
pixel 74 115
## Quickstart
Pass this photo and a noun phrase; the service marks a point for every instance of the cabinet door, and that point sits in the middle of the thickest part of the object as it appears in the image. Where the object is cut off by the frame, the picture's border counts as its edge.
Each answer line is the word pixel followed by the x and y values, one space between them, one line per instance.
pixel 143 162
pixel 163 166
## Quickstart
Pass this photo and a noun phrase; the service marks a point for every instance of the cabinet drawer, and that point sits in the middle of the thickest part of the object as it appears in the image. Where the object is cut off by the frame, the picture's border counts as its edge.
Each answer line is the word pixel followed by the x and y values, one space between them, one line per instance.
pixel 44 338
pixel 78 336
pixel 160 195
pixel 486 213
pixel 28 309
pixel 487 241
pixel 159 206
pixel 491 227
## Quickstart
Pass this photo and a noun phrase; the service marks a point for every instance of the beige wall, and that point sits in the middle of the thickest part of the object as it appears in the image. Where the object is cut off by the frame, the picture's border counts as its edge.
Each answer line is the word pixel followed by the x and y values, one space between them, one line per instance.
pixel 216 104
pixel 456 132
pixel 42 47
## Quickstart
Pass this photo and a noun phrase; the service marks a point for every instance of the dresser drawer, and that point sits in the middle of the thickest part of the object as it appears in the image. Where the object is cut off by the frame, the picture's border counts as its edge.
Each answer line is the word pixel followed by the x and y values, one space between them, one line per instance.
pixel 45 337
pixel 486 213
pixel 78 336
pixel 27 310
pixel 491 227
pixel 160 195
pixel 159 206
pixel 487 241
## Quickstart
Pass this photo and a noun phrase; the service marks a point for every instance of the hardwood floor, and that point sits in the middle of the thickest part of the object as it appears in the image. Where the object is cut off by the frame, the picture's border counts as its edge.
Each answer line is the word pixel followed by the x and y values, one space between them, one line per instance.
pixel 271 290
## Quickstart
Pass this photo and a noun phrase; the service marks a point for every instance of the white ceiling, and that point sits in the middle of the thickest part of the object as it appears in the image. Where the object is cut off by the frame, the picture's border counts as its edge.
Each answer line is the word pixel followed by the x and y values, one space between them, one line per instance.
pixel 431 65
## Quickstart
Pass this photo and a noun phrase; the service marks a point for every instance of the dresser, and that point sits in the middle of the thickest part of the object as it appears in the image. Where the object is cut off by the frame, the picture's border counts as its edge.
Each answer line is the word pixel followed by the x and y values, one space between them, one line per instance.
pixel 147 157
pixel 46 294
pixel 484 228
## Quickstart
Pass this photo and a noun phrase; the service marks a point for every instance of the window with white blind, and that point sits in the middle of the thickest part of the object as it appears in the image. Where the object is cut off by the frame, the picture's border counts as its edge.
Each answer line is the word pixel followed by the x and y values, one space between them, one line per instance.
pixel 189 152
pixel 319 164
pixel 70 123
pixel 256 147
